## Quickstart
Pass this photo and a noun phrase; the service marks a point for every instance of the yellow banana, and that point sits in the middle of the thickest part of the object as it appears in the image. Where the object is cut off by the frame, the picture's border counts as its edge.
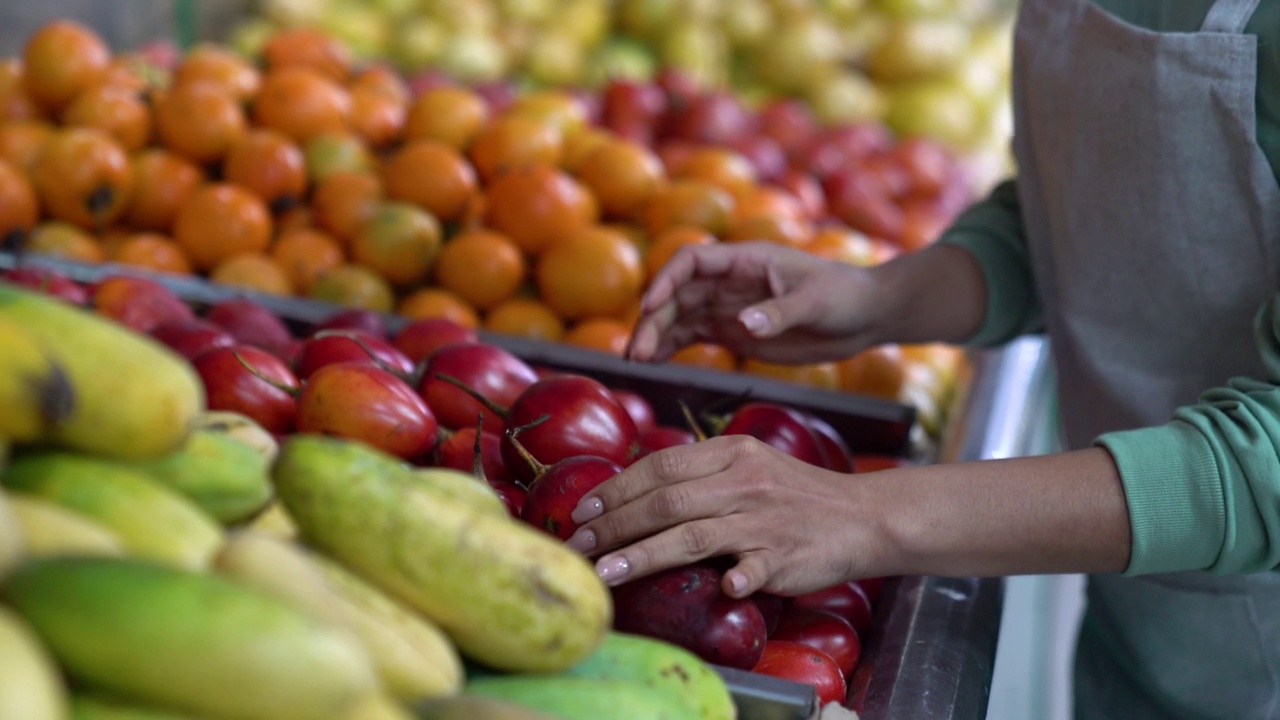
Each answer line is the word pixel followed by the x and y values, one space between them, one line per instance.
pixel 413 658
pixel 35 391
pixel 464 488
pixel 242 428
pixel 30 686
pixel 127 396
pixel 91 707
pixel 377 707
pixel 50 529
pixel 223 476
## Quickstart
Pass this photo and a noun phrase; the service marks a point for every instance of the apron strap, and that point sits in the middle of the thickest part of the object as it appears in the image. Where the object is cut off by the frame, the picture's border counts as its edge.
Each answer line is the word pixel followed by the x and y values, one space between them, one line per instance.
pixel 1229 16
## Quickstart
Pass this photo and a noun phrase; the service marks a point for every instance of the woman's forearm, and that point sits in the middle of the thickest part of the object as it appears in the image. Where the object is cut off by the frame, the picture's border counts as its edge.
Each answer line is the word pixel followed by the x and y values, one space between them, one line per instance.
pixel 935 295
pixel 1047 514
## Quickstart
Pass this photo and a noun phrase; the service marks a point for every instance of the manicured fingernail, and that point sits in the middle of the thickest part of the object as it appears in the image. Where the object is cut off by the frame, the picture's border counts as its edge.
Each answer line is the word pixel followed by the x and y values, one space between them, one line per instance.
pixel 583 540
pixel 738 582
pixel 613 570
pixel 754 321
pixel 589 509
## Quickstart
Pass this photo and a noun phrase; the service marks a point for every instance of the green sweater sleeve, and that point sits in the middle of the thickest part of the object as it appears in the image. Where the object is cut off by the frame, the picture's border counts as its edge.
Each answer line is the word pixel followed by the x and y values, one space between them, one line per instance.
pixel 992 232
pixel 1204 489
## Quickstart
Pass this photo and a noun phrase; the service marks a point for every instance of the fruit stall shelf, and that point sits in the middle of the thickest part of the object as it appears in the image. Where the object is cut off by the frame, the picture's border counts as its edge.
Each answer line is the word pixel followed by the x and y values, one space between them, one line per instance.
pixel 931 652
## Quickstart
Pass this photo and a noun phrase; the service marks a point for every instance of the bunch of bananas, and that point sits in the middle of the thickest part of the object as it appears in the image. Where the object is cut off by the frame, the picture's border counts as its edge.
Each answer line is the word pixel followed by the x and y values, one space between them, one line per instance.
pixel 176 563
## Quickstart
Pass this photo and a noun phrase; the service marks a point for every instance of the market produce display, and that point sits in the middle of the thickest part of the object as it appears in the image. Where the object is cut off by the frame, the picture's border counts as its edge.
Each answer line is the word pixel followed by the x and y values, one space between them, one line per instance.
pixel 342 568
pixel 933 67
pixel 541 213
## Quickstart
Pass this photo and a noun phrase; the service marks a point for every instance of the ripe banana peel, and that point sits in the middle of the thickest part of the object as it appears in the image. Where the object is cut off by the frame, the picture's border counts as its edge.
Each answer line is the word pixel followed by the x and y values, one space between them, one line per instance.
pixel 91 707
pixel 30 686
pixel 11 540
pixel 224 476
pixel 48 529
pixel 52 387
pixel 414 659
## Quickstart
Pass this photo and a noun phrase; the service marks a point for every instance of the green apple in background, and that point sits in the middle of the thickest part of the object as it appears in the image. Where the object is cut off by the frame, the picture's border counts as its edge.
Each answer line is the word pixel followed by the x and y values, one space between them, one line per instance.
pixel 803 46
pixel 294 12
pixel 843 96
pixel 474 56
pixel 392 8
pixel 555 58
pixel 912 9
pixel 700 50
pixel 644 18
pixel 936 109
pixel 418 42
pixel 526 11
pixel 620 58
pixel 329 154
pixel 249 37
pixel 586 21
pixel 364 28
pixel 917 49
pixel 748 23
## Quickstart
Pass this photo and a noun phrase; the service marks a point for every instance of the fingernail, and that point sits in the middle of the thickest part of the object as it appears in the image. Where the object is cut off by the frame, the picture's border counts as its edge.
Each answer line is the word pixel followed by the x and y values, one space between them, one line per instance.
pixel 583 540
pixel 738 582
pixel 589 509
pixel 613 570
pixel 754 321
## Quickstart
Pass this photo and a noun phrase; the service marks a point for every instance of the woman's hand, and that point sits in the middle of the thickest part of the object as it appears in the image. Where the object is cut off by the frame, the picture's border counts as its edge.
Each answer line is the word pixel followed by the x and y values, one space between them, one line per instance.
pixel 794 527
pixel 757 299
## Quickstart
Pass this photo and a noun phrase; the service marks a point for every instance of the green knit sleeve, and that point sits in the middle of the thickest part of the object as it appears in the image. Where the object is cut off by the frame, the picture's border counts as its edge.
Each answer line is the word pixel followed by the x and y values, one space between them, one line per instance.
pixel 1204 490
pixel 992 232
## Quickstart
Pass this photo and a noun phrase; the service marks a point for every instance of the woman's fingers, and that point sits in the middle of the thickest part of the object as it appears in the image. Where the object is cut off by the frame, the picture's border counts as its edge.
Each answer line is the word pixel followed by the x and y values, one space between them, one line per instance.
pixel 680 545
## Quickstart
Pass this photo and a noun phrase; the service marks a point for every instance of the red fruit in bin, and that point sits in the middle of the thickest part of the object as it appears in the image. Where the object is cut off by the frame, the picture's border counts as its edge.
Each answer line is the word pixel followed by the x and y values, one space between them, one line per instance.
pixel 860 200
pixel 366 321
pixel 873 587
pixel 631 101
pixel 713 118
pixel 847 600
pixel 252 382
pixel 833 446
pixel 771 608
pixel 823 631
pixel 361 402
pixel 191 338
pixel 807 191
pixel 419 339
pixel 662 437
pixel 927 163
pixel 638 408
pixel 251 324
pixel 870 462
pixel 512 495
pixel 780 427
pixel 800 663
pixel 559 487
pixel 330 347
pixel 788 122
pixel 458 452
pixel 138 303
pixel 685 606
pixel 50 283
pixel 575 415
pixel 487 370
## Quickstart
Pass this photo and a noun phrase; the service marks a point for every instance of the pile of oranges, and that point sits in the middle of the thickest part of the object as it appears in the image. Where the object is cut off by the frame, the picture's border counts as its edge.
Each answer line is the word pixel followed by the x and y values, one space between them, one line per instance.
pixel 304 174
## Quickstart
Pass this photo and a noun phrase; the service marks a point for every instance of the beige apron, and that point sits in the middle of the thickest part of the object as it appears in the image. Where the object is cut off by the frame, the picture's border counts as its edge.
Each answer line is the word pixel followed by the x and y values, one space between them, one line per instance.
pixel 1152 216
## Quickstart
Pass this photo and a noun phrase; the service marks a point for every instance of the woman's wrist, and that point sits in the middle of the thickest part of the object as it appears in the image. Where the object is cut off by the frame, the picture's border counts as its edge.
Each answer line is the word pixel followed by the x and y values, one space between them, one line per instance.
pixel 935 295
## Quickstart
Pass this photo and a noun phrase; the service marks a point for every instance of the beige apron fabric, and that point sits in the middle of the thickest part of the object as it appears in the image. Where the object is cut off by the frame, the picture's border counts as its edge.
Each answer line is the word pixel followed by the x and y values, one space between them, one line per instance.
pixel 1151 214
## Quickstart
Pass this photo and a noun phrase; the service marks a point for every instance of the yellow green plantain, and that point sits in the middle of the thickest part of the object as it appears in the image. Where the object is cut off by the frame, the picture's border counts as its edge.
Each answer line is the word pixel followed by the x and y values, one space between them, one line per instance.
pixel 470 707
pixel 114 392
pixel 11 539
pixel 92 707
pixel 662 667
pixel 242 428
pixel 464 488
pixel 193 642
pixel 576 698
pixel 49 529
pixel 226 477
pixel 508 595
pixel 34 389
pixel 413 658
pixel 151 520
